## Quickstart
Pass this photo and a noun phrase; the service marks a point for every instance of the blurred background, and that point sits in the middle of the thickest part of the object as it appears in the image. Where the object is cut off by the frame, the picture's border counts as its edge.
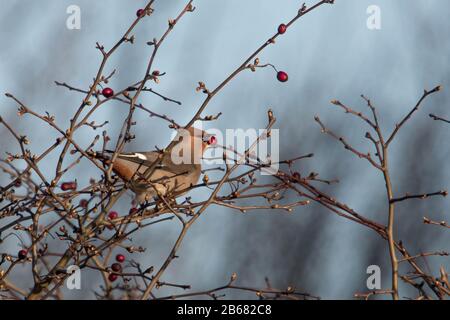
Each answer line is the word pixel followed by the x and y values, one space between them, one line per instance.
pixel 329 54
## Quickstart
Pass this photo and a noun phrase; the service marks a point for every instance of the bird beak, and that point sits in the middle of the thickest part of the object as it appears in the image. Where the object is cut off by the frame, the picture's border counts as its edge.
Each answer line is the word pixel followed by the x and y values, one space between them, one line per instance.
pixel 209 139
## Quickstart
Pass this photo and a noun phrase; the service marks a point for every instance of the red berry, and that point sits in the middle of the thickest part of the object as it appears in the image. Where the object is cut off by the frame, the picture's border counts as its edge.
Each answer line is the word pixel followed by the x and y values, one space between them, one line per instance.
pixel 17 183
pixel 282 76
pixel 116 267
pixel 112 277
pixel 212 140
pixel 133 210
pixel 113 215
pixel 83 203
pixel 282 28
pixel 120 258
pixel 22 254
pixel 140 12
pixel 107 92
pixel 68 186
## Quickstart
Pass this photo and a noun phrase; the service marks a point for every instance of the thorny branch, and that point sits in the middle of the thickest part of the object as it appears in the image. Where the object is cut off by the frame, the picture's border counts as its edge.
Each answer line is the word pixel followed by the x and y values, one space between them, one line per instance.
pixel 381 146
pixel 46 209
pixel 84 226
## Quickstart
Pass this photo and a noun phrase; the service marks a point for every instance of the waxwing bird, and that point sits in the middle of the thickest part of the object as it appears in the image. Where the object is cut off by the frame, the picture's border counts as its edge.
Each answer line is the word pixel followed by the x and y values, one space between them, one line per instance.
pixel 171 174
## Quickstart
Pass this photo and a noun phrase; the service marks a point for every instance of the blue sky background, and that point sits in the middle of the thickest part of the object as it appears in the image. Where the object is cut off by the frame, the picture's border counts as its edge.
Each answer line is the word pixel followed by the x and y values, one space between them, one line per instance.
pixel 329 54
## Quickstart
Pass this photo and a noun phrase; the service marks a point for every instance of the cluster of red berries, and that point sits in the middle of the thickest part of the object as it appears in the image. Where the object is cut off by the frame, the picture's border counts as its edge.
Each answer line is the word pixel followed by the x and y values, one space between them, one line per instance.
pixel 108 92
pixel 116 267
pixel 281 75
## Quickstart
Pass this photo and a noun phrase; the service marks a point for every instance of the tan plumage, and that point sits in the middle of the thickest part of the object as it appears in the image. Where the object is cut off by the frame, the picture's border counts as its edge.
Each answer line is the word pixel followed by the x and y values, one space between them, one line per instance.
pixel 173 175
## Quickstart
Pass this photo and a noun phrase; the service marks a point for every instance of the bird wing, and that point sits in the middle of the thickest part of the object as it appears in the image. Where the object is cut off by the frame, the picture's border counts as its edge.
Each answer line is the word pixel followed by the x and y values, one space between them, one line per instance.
pixel 132 166
pixel 143 158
